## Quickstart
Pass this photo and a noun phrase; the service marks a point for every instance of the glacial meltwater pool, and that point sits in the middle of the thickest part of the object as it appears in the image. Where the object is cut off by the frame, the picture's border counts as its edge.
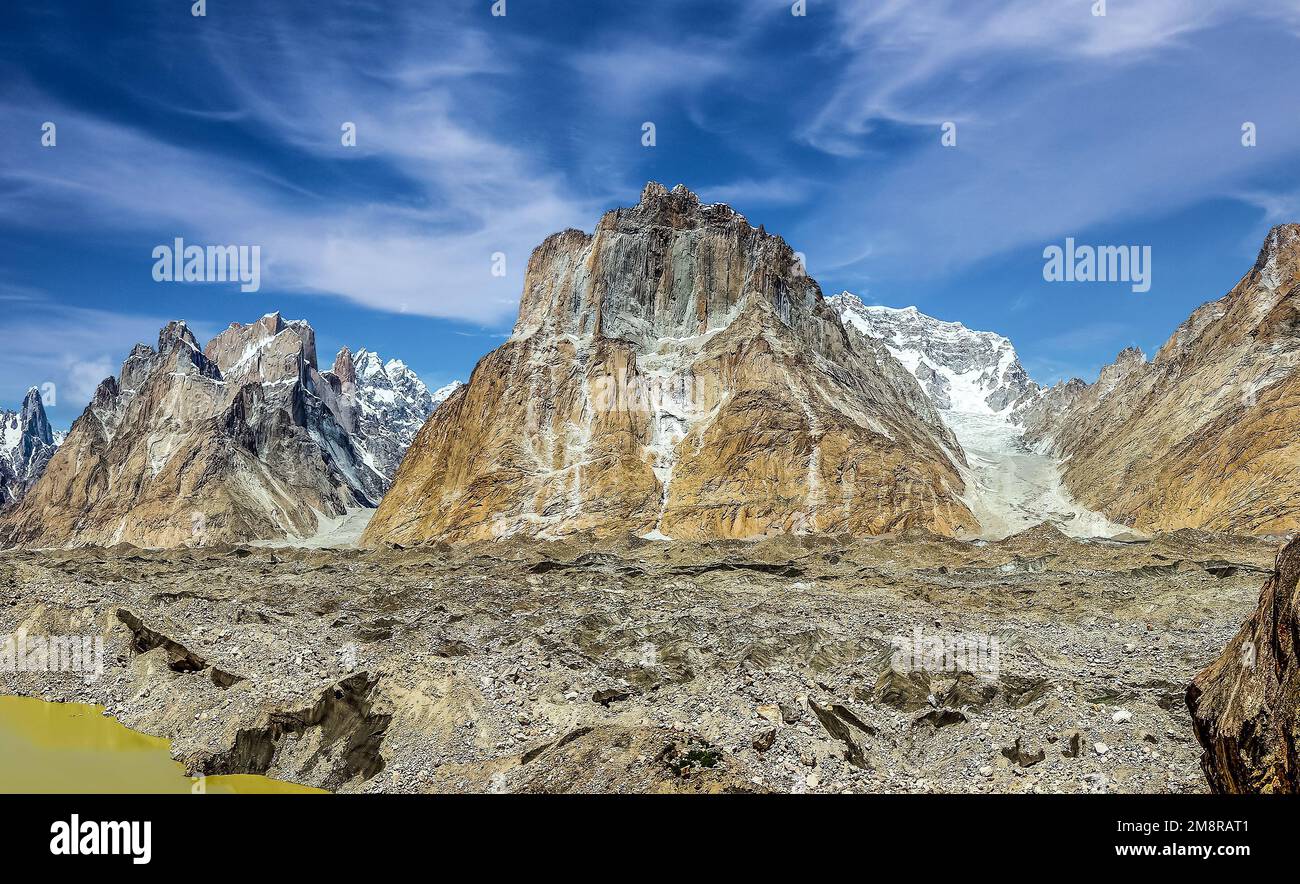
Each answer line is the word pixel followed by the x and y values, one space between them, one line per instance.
pixel 75 748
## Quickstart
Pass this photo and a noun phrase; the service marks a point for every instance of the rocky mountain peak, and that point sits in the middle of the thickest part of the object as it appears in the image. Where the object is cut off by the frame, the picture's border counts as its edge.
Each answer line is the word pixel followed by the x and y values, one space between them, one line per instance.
pixel 667 267
pixel 32 417
pixel 1278 264
pixel 268 350
pixel 176 333
pixel 959 368
pixel 246 433
pixel 382 404
pixel 27 442
pixel 345 369
pixel 369 364
pixel 678 208
pixel 676 373
pixel 1129 360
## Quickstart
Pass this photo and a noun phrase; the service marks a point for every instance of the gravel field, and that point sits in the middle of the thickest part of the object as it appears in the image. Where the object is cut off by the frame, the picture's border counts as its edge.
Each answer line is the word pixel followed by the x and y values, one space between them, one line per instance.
pixel 1044 663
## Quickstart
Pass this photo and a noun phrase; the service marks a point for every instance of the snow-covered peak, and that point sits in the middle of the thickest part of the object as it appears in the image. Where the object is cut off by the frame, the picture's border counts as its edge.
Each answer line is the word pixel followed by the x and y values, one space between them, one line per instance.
pixel 369 364
pixel 388 403
pixel 26 445
pixel 976 372
pixel 442 394
pixel 976 381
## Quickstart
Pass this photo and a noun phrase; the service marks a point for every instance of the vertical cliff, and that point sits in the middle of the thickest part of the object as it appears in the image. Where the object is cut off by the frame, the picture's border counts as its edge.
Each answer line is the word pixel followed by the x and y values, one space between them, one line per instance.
pixel 676 374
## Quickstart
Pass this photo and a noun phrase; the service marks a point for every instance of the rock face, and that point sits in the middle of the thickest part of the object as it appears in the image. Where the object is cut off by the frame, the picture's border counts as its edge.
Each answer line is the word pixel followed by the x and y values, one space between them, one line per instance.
pixel 675 374
pixel 1246 705
pixel 1205 435
pixel 26 445
pixel 381 405
pixel 239 441
pixel 960 369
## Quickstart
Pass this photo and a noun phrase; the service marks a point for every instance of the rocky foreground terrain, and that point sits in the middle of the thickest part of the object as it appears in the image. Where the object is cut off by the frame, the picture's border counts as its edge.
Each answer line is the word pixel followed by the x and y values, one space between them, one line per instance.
pixel 525 666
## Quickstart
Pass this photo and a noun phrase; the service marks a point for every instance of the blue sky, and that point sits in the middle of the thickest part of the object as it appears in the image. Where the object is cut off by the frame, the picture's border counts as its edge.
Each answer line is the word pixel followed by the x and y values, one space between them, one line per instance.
pixel 479 134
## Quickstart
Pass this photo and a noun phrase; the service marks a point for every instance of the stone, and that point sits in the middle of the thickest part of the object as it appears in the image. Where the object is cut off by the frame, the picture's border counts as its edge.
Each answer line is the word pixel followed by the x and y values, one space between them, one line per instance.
pixel 1245 705
pixel 1024 754
pixel 907 691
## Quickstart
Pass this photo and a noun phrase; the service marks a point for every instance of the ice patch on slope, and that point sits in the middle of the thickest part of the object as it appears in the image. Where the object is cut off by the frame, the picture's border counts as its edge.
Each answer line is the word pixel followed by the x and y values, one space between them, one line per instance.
pixel 343 532
pixel 1009 486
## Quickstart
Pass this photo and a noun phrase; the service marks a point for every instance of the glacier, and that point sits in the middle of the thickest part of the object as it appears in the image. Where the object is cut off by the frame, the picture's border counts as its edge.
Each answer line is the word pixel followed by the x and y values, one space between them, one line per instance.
pixel 979 387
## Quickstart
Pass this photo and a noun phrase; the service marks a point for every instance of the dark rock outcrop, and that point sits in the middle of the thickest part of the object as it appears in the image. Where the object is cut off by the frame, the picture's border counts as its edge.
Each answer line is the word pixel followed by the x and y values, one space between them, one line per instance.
pixel 1246 705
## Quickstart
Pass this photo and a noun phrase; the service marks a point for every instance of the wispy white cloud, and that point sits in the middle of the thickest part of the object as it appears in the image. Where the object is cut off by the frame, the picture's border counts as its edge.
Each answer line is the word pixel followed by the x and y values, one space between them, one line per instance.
pixel 458 194
pixel 902 48
pixel 1053 136
pixel 641 71
pixel 778 190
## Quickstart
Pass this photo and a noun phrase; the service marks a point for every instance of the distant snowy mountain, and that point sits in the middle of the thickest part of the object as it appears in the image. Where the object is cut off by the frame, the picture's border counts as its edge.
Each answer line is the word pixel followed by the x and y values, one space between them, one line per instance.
pixel 442 394
pixel 26 445
pixel 983 393
pixel 384 404
pixel 962 370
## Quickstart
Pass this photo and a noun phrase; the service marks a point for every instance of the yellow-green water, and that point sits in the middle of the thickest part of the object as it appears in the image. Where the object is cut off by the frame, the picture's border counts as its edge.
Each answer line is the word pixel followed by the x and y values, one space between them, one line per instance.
pixel 75 748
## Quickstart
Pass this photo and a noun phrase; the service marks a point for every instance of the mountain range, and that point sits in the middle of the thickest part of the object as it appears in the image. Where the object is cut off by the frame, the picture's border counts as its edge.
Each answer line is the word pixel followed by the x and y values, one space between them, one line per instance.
pixel 960 369
pixel 244 439
pixel 676 375
pixel 382 405
pixel 1206 434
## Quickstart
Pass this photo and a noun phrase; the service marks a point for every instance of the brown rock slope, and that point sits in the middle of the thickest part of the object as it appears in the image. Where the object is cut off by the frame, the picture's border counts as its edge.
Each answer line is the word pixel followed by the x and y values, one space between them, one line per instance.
pixel 233 443
pixel 676 372
pixel 1207 434
pixel 1246 705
